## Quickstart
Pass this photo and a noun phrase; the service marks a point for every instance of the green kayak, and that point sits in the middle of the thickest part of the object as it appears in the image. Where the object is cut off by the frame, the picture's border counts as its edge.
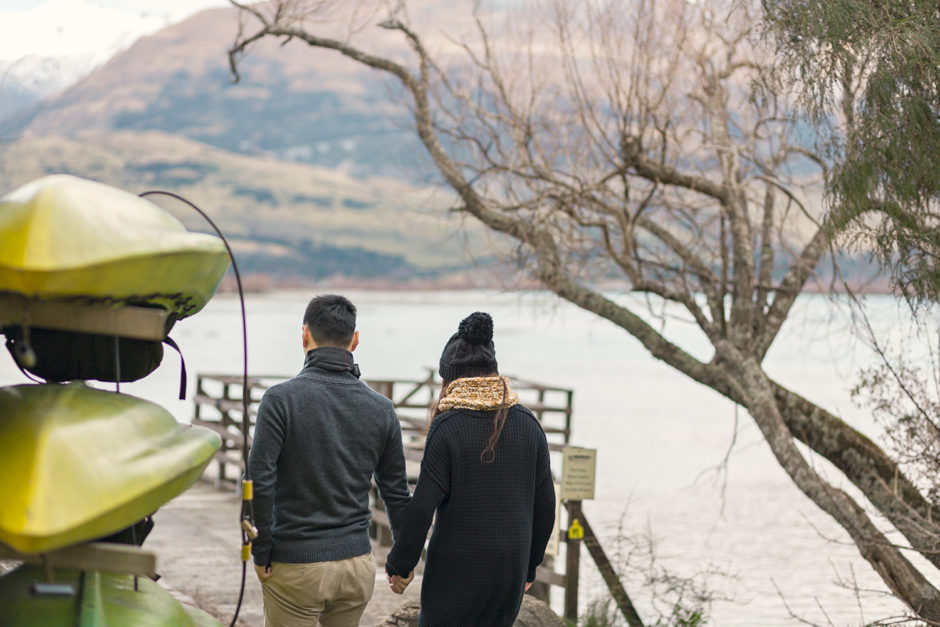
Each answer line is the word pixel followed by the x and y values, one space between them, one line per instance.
pixel 96 599
pixel 79 463
pixel 63 237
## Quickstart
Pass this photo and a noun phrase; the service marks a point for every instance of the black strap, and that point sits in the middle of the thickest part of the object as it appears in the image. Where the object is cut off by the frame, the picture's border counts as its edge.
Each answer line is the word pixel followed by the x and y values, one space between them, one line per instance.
pixel 10 347
pixel 169 342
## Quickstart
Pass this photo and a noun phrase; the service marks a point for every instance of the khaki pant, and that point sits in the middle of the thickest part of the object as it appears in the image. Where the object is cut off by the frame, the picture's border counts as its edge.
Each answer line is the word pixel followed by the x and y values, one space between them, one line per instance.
pixel 332 594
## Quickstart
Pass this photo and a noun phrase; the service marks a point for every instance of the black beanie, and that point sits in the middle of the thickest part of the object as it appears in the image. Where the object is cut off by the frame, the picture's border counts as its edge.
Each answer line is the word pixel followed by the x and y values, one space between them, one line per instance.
pixel 470 352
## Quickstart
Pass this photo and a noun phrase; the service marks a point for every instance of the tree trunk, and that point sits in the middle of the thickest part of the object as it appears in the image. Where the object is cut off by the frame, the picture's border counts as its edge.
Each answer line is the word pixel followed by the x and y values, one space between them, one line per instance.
pixel 867 466
pixel 904 580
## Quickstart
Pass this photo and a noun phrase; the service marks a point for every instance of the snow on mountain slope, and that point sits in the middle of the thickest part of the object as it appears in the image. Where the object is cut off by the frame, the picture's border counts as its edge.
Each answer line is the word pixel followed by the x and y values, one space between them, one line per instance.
pixel 49 45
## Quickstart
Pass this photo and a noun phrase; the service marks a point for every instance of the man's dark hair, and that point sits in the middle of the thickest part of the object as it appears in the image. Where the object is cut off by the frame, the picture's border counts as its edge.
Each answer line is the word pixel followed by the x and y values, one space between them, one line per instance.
pixel 331 319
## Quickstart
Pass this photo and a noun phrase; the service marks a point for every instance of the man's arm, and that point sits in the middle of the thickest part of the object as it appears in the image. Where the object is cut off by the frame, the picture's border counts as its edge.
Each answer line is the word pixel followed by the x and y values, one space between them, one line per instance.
pixel 262 470
pixel 391 477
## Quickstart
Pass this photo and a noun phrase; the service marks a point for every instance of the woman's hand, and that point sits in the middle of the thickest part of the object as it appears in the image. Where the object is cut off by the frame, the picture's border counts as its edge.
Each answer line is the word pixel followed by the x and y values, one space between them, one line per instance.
pixel 398 584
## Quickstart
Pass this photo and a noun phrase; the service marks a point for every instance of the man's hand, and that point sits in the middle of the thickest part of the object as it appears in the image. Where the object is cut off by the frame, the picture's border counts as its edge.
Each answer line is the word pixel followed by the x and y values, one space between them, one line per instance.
pixel 528 585
pixel 263 572
pixel 398 584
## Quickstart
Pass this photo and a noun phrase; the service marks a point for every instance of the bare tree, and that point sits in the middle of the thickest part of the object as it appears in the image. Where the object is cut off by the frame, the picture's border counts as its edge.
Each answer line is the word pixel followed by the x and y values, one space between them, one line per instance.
pixel 643 141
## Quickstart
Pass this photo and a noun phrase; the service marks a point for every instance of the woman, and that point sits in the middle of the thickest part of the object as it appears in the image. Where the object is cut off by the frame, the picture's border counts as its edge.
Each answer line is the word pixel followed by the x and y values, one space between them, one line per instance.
pixel 486 474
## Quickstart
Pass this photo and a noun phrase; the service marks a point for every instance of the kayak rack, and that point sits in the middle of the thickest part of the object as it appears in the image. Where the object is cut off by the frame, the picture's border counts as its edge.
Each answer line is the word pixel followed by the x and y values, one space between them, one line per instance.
pixel 145 323
pixel 106 557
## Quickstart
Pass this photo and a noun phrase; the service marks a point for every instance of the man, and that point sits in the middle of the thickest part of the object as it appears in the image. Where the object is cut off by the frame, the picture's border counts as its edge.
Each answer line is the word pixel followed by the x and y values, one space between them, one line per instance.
pixel 320 438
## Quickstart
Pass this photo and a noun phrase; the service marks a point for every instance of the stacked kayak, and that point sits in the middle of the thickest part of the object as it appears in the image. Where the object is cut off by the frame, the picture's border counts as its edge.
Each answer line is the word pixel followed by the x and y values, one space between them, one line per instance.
pixel 80 463
pixel 81 264
pixel 92 279
pixel 62 237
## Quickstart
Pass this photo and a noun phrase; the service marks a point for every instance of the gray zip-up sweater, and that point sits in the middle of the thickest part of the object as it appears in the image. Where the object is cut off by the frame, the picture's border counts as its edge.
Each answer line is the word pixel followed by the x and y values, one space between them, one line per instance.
pixel 319 439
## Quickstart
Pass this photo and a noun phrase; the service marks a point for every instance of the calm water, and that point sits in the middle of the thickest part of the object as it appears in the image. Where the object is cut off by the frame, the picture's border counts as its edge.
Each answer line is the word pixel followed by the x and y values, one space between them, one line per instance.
pixel 660 437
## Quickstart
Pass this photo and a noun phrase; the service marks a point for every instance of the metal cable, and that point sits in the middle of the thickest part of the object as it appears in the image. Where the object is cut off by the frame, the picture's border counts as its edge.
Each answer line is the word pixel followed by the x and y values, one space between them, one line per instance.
pixel 245 391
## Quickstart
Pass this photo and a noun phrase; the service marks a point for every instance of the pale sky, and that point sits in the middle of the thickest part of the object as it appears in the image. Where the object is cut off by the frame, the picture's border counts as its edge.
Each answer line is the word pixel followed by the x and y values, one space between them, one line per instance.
pixel 92 28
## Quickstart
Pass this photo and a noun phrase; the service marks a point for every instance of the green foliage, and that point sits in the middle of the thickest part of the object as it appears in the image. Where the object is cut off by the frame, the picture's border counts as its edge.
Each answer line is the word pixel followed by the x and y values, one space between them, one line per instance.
pixel 257 194
pixel 602 612
pixel 870 71
pixel 171 174
pixel 674 600
pixel 321 261
pixel 682 617
pixel 599 613
pixel 902 394
pixel 271 115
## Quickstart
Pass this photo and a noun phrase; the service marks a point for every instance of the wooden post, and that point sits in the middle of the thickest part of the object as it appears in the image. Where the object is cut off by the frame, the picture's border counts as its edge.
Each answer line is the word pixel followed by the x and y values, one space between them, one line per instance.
pixel 570 399
pixel 383 528
pixel 225 446
pixel 572 565
pixel 197 410
pixel 542 590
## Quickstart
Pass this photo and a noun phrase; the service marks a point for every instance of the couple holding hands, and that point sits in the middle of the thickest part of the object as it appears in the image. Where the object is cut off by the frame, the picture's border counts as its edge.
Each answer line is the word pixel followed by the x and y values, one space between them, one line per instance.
pixel 321 438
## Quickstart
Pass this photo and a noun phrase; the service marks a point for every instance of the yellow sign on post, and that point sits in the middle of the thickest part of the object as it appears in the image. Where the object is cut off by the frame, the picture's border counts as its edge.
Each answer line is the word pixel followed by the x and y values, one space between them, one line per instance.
pixel 575 531
pixel 577 473
pixel 555 538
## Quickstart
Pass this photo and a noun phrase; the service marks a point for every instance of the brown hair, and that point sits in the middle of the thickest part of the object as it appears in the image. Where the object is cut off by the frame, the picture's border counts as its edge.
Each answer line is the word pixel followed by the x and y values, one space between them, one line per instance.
pixel 488 455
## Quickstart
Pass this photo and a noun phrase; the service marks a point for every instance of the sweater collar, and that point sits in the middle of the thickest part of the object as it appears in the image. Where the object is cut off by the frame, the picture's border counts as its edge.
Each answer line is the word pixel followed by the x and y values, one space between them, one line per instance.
pixel 331 358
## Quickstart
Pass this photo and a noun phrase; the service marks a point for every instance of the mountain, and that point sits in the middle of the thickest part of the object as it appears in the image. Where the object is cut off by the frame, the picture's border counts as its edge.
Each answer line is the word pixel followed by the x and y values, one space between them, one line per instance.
pixel 306 164
pixel 27 79
pixel 294 223
pixel 48 45
pixel 293 102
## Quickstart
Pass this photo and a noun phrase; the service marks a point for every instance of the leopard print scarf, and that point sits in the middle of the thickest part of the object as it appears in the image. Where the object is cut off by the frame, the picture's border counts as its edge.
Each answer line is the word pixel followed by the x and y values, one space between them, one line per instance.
pixel 478 393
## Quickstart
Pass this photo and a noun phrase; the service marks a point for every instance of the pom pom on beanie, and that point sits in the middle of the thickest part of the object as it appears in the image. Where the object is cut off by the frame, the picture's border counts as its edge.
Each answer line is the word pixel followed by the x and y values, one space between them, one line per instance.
pixel 470 352
pixel 477 328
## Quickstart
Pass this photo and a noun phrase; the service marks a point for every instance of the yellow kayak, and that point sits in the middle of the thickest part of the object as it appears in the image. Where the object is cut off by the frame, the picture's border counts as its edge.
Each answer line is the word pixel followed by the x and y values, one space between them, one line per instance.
pixel 63 237
pixel 98 599
pixel 78 463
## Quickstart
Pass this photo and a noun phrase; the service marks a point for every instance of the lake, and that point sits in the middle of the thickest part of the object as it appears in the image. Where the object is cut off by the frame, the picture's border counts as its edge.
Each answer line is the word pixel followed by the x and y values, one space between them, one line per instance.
pixel 661 438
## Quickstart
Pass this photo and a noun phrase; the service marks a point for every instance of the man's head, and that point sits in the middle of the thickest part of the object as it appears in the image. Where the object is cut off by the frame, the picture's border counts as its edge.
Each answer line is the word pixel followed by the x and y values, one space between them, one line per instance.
pixel 330 320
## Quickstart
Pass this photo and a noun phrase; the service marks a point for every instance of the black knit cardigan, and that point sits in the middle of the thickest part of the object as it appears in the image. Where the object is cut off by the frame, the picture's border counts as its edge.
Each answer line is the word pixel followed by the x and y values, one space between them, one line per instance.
pixel 493 519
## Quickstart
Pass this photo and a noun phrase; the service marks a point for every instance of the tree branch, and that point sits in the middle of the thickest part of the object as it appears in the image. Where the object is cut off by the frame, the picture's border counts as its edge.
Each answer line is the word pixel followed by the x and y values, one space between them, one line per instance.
pixel 788 290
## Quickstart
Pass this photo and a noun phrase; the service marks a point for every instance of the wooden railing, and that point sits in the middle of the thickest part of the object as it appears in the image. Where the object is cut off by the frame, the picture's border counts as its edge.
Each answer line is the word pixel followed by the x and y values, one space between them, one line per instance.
pixel 218 406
